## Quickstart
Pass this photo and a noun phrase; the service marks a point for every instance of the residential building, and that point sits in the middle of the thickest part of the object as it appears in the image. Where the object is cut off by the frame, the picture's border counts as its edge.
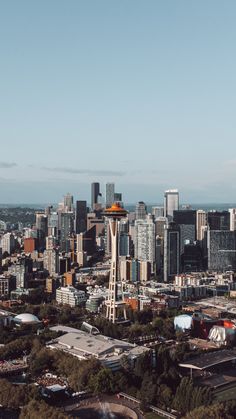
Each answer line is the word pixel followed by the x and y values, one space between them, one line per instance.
pixel 70 296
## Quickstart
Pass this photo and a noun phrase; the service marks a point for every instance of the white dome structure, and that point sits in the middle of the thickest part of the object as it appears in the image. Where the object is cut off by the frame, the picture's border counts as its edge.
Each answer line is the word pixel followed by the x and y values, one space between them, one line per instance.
pixel 26 318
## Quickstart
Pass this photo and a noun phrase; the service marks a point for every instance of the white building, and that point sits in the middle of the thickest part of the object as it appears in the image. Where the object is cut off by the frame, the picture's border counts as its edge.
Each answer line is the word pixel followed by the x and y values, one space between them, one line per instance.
pixel 70 296
pixel 145 240
pixel 171 202
pixel 109 351
pixel 7 243
pixel 232 212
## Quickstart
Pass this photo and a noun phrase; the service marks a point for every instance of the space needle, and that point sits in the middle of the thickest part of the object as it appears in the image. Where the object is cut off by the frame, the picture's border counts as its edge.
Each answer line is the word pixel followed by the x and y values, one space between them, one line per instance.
pixel 115 308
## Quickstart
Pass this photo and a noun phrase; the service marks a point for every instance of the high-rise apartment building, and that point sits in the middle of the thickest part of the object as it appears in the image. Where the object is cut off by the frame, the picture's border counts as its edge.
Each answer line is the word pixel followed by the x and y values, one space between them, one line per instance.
pixel 171 202
pixel 145 240
pixel 110 194
pixel 7 243
pixel 51 261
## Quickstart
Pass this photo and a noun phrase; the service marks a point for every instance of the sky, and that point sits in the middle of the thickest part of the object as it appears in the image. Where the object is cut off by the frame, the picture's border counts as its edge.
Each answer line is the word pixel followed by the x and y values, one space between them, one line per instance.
pixel 140 93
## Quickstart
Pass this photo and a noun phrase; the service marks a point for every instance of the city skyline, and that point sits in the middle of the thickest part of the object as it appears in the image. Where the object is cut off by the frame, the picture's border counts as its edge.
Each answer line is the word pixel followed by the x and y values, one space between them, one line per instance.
pixel 157 79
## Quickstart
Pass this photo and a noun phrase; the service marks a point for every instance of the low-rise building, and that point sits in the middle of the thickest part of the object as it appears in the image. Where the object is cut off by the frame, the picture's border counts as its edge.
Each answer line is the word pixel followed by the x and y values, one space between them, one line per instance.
pixel 70 296
pixel 109 351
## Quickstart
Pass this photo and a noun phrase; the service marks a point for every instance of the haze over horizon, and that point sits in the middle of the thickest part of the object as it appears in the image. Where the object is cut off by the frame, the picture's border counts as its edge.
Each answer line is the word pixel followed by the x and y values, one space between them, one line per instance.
pixel 137 93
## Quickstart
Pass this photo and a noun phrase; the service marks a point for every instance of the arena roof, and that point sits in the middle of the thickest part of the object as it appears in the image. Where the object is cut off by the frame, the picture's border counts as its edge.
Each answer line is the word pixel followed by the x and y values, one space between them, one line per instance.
pixel 205 361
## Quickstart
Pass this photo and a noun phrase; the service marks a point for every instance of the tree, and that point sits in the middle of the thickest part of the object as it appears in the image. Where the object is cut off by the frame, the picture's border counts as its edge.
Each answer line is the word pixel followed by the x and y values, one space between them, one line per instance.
pixel 148 389
pixel 41 362
pixel 215 411
pixel 39 409
pixel 80 377
pixel 189 397
pixel 12 396
pixel 102 382
pixel 143 364
pixel 164 396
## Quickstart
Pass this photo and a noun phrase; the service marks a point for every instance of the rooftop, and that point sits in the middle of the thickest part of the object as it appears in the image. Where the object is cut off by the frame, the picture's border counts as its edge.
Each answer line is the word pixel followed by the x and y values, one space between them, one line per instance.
pixel 210 359
pixel 85 345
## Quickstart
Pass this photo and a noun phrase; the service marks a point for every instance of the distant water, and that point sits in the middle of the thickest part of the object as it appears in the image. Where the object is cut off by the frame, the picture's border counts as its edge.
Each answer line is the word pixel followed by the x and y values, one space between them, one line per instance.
pixel 131 207
pixel 205 207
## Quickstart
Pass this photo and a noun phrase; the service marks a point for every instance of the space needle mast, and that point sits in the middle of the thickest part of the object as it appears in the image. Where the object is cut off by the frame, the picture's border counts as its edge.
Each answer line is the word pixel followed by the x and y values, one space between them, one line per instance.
pixel 115 308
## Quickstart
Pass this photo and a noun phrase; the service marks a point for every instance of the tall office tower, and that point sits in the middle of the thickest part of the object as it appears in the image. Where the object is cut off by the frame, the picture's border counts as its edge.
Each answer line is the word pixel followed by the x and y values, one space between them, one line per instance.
pixel 124 225
pixel 68 202
pixel 160 222
pixel 53 224
pixel 186 220
pixel 125 239
pixel 171 203
pixel 157 212
pixel 107 234
pixel 48 210
pixel 159 254
pixel 41 222
pixel 171 251
pixel 221 250
pixel 51 242
pixel 95 193
pixel 145 241
pixel 86 242
pixel 110 194
pixel 115 306
pixel 66 230
pixel 80 217
pixel 118 197
pixel 232 212
pixel 42 228
pixel 140 211
pixel 201 221
pixel 0 260
pixel 218 220
pixel 124 244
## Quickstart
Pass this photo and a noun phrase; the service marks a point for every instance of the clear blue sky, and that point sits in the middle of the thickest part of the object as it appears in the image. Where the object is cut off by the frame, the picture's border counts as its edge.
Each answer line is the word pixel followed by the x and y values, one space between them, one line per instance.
pixel 141 93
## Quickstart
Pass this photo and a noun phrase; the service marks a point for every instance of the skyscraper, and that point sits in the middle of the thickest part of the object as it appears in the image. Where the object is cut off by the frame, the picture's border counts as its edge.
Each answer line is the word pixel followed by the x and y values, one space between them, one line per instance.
pixel 110 192
pixel 158 212
pixel 68 202
pixel 171 202
pixel 221 250
pixel 80 217
pixel 201 222
pixel 66 230
pixel 232 212
pixel 95 193
pixel 218 220
pixel 140 211
pixel 145 245
pixel 171 251
pixel 186 220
